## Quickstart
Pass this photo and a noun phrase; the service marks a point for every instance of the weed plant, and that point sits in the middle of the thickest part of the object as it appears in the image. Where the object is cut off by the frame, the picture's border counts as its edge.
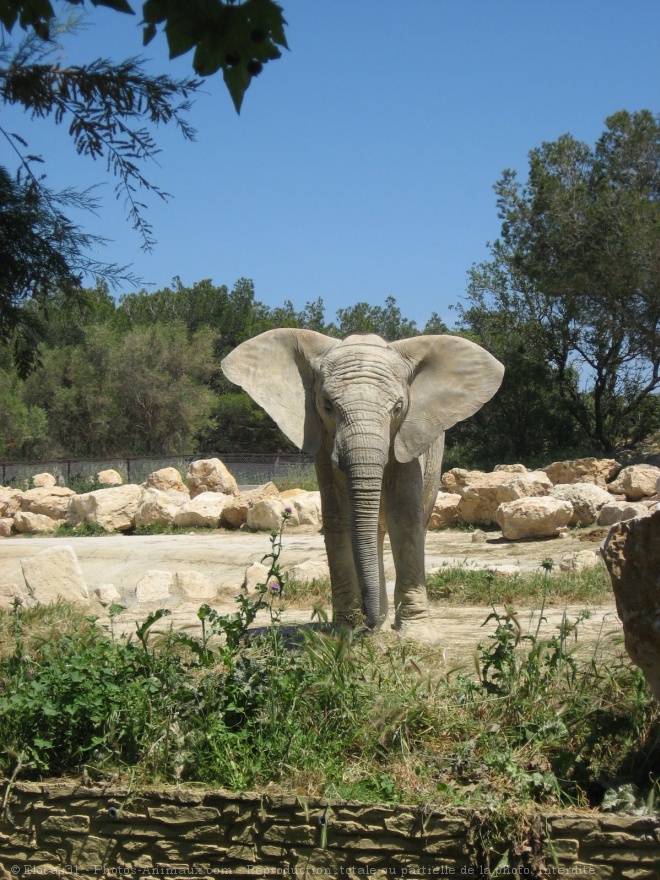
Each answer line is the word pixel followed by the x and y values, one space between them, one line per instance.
pixel 82 530
pixel 334 714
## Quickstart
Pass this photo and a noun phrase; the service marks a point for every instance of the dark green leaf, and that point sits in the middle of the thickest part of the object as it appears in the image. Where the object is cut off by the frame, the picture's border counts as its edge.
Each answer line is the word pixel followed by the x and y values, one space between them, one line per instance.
pixel 117 5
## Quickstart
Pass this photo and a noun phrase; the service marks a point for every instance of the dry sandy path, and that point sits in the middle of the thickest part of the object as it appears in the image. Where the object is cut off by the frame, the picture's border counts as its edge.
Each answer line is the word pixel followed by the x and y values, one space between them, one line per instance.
pixel 223 557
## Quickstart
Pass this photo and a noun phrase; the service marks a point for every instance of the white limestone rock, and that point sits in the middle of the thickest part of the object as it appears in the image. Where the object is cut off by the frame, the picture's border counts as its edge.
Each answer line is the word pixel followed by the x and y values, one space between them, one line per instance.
pixel 159 507
pixel 305 507
pixel 6 526
pixel 202 511
pixel 267 515
pixel 445 510
pixel 235 511
pixel 54 574
pixel 52 501
pixel 599 471
pixel 636 482
pixel 210 475
pixel 113 509
pixel 533 517
pixel 154 586
pixel 482 493
pixel 195 586
pixel 107 593
pixel 587 500
pixel 256 573
pixel 35 522
pixel 619 511
pixel 582 560
pixel 109 477
pixel 306 572
pixel 43 481
pixel 10 501
pixel 166 479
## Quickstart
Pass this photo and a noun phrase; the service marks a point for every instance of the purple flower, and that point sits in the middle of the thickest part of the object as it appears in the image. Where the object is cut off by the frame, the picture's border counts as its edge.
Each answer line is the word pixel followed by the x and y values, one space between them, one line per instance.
pixel 288 510
pixel 274 586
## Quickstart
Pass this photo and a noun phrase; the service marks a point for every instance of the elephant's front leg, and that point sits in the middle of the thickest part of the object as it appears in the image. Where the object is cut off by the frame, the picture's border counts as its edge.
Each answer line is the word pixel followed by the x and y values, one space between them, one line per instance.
pixel 406 524
pixel 346 597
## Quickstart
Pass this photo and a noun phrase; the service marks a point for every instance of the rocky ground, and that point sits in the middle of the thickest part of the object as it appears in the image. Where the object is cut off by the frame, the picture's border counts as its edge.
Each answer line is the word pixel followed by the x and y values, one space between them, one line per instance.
pixel 223 556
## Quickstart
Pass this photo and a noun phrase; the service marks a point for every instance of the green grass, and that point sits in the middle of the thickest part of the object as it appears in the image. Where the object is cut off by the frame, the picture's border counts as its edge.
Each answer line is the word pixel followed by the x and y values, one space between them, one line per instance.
pixel 306 593
pixel 464 585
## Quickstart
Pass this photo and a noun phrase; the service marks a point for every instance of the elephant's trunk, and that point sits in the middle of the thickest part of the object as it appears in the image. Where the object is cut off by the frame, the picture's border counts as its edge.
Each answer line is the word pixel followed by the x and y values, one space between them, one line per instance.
pixel 363 468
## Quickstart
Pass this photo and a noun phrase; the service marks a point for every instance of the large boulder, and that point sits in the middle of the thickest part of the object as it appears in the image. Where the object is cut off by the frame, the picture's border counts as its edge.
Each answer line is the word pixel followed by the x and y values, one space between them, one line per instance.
pixel 195 586
pixel 43 481
pixel 113 509
pixel 267 515
pixel 636 482
pixel 158 507
pixel 109 477
pixel 445 510
pixel 25 522
pixel 53 501
pixel 10 500
pixel 587 500
pixel 533 517
pixel 306 572
pixel 255 574
pixel 632 556
pixel 305 507
pixel 6 526
pixel 203 511
pixel 210 475
pixel 619 511
pixel 583 470
pixel 235 511
pixel 166 479
pixel 54 574
pixel 482 493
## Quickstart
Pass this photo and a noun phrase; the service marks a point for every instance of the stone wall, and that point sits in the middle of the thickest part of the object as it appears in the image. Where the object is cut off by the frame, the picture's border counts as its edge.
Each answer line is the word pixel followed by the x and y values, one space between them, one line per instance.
pixel 68 829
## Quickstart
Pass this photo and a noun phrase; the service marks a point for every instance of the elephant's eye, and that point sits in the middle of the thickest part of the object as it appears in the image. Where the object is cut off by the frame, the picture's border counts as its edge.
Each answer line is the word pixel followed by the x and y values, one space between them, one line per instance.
pixel 327 405
pixel 397 408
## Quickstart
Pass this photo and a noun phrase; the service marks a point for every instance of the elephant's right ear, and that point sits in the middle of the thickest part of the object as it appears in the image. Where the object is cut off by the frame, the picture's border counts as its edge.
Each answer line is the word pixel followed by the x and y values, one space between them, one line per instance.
pixel 277 369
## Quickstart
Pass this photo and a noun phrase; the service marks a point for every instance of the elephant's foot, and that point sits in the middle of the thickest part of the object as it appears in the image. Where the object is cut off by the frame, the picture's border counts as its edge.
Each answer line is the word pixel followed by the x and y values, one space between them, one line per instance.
pixel 417 629
pixel 356 623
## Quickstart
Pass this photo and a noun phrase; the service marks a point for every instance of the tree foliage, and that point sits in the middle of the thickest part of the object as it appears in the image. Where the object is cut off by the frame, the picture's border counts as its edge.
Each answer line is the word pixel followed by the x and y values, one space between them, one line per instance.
pixel 577 271
pixel 110 110
pixel 237 38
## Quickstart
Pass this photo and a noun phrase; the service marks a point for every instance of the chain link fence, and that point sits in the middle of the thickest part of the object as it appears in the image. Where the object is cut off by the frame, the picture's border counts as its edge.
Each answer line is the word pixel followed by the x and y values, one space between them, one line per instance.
pixel 248 470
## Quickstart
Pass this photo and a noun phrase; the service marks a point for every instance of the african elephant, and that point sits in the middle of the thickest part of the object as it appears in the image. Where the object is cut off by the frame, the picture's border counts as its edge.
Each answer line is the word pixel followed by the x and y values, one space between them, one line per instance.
pixel 373 414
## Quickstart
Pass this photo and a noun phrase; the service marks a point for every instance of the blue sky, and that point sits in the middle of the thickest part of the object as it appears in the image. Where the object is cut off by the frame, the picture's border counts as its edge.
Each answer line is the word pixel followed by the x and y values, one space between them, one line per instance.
pixel 363 161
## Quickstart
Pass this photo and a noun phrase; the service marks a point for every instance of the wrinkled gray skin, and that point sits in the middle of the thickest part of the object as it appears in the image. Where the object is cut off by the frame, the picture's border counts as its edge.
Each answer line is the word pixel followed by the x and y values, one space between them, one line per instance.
pixel 373 415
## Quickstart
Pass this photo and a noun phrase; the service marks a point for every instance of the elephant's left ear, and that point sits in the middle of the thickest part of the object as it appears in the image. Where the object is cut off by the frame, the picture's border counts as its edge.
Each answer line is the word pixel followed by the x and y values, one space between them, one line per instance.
pixel 452 378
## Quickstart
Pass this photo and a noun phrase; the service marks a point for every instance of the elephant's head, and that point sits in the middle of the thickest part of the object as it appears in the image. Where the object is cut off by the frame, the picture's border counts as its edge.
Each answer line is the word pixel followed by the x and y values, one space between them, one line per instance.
pixel 363 397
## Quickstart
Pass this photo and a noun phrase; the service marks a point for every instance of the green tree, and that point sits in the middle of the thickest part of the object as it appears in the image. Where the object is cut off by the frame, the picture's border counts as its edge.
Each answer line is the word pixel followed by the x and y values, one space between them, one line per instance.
pixel 23 428
pixel 109 109
pixel 386 321
pixel 144 392
pixel 578 262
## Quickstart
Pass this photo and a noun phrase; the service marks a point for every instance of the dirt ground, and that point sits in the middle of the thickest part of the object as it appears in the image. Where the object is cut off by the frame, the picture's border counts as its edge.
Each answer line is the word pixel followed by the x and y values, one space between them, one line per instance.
pixel 223 557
